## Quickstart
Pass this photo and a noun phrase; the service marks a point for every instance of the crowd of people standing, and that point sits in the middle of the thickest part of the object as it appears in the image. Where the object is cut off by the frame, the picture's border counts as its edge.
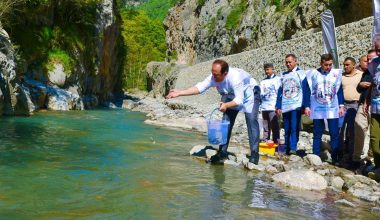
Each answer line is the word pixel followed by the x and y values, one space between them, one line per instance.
pixel 327 95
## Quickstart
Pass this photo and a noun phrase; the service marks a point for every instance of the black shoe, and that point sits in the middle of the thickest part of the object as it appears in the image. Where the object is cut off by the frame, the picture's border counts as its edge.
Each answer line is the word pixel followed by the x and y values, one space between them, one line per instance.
pixel 219 157
pixel 223 154
pixel 354 165
pixel 254 158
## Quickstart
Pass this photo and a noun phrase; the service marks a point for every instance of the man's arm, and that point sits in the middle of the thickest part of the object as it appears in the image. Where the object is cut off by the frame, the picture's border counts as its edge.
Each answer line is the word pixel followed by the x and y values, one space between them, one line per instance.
pixel 367 100
pixel 306 97
pixel 365 82
pixel 341 101
pixel 174 93
pixel 279 100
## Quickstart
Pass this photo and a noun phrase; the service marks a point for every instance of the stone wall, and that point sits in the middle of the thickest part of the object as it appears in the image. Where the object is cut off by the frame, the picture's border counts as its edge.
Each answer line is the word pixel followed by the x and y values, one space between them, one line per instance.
pixel 353 40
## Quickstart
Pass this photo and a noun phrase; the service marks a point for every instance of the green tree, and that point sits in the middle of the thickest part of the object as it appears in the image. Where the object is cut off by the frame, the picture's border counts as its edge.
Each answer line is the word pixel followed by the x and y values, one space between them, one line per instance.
pixel 145 41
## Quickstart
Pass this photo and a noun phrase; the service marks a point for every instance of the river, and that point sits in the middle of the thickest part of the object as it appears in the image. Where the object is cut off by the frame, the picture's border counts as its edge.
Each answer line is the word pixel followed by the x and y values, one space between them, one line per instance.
pixel 108 164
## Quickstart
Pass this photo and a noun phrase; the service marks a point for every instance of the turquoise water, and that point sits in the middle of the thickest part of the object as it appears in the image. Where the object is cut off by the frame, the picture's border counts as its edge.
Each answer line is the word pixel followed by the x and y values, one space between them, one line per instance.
pixel 108 164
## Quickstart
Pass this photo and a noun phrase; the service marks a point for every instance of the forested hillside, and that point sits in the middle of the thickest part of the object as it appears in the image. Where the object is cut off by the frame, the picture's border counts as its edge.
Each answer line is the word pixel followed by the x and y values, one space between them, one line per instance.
pixel 144 36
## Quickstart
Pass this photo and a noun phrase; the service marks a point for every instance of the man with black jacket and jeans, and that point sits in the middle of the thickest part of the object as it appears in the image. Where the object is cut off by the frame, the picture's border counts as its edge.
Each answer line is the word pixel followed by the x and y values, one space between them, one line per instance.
pixel 362 119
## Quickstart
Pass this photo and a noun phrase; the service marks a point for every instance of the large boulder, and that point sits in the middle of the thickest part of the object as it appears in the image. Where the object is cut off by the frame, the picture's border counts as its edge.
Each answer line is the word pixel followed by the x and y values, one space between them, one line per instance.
pixel 57 75
pixel 301 179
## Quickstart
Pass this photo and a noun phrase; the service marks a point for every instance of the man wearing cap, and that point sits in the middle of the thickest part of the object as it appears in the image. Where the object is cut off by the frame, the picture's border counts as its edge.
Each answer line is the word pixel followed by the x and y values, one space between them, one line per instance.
pixel 269 88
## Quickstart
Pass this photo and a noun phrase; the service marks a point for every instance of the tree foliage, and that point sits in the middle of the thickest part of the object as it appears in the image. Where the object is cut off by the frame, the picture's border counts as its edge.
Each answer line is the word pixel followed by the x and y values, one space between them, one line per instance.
pixel 51 31
pixel 236 14
pixel 145 42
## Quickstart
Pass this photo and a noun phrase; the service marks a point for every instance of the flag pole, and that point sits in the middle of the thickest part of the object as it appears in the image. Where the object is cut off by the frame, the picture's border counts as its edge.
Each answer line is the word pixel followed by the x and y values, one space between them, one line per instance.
pixel 329 36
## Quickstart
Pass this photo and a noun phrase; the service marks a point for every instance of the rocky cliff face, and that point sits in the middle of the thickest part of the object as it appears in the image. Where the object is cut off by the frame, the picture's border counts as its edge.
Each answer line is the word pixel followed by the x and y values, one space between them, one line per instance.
pixel 96 78
pixel 14 97
pixel 197 33
pixel 105 81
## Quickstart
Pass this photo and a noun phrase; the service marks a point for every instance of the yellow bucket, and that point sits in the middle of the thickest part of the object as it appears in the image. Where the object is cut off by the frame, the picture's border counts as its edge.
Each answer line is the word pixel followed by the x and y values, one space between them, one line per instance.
pixel 265 149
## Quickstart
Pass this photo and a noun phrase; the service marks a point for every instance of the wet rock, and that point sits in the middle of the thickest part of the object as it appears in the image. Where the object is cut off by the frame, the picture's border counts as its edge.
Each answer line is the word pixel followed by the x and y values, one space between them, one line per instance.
pixel 245 161
pixel 345 203
pixel 210 153
pixel 240 158
pixel 252 166
pixel 271 169
pixel 313 160
pixel 298 165
pixel 280 167
pixel 337 183
pixel 294 158
pixel 301 179
pixel 231 162
pixel 129 104
pixel 363 194
pixel 323 172
pixel 375 210
pixel 231 157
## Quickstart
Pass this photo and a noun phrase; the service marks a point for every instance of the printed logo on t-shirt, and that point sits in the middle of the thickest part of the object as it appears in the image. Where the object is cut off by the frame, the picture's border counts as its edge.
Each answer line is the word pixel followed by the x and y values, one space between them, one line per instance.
pixel 269 92
pixel 291 89
pixel 324 92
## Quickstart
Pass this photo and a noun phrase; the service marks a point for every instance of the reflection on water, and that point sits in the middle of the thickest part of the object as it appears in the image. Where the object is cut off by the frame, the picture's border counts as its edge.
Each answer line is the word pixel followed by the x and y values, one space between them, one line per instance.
pixel 109 164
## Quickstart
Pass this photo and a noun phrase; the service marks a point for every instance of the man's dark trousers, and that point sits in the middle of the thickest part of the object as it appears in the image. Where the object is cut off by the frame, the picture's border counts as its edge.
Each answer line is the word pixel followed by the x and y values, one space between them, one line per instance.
pixel 291 122
pixel 319 126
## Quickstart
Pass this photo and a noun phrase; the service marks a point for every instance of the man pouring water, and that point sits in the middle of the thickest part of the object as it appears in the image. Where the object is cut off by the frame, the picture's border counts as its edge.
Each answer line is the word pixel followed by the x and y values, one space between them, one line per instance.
pixel 240 92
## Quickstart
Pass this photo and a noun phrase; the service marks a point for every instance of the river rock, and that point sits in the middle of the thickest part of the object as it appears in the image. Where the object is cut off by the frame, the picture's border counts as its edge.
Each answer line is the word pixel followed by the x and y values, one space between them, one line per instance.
pixel 301 179
pixel 294 158
pixel 337 183
pixel 271 169
pixel 323 172
pixel 375 210
pixel 198 150
pixel 241 158
pixel 313 160
pixel 231 162
pixel 252 166
pixel 345 202
pixel 363 194
pixel 231 157
pixel 210 153
pixel 129 104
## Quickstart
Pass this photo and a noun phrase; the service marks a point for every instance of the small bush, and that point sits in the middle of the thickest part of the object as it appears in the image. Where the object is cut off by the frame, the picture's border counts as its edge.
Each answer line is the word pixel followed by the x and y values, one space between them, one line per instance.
pixel 201 3
pixel 235 16
pixel 59 56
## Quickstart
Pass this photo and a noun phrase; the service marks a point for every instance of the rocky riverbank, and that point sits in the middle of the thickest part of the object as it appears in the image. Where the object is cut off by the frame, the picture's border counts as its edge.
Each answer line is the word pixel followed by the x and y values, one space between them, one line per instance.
pixel 307 173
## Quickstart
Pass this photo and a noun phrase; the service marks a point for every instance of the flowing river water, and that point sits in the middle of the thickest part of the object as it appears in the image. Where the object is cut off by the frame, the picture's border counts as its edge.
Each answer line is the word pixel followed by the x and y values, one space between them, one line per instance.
pixel 108 164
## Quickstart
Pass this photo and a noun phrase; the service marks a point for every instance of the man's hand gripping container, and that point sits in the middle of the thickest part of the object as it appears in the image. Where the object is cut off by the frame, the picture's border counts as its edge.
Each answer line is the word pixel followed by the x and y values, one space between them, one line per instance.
pixel 217 130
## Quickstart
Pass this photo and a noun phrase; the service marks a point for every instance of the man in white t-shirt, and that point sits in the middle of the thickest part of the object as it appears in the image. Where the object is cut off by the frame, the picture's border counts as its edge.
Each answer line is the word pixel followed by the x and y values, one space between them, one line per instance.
pixel 323 99
pixel 269 88
pixel 240 92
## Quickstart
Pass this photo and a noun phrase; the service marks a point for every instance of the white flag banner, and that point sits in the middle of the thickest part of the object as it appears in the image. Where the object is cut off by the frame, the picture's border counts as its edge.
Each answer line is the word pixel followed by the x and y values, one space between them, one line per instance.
pixel 376 22
pixel 328 33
